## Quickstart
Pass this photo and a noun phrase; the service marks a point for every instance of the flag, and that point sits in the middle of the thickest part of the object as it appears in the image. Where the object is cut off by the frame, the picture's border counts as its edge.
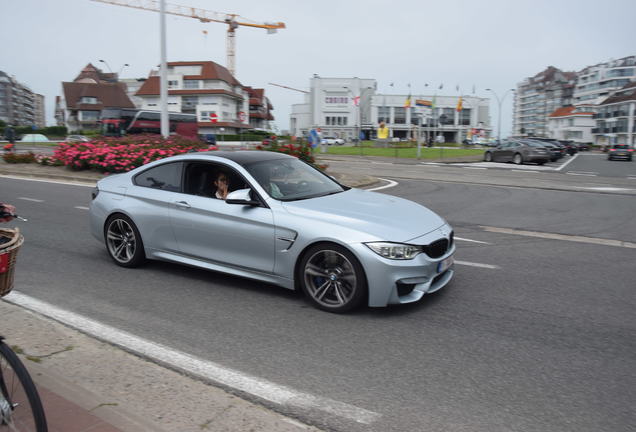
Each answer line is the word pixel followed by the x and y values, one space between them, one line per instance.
pixel 441 86
pixel 459 105
pixel 407 102
pixel 423 103
pixel 356 100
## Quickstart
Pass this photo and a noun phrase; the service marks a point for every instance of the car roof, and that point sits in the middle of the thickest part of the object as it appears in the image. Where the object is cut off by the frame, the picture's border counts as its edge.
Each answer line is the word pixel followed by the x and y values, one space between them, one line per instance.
pixel 244 157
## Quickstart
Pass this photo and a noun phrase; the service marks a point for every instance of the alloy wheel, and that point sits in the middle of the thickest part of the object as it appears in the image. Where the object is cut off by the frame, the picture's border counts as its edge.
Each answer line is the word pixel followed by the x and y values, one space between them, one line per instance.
pixel 330 279
pixel 121 241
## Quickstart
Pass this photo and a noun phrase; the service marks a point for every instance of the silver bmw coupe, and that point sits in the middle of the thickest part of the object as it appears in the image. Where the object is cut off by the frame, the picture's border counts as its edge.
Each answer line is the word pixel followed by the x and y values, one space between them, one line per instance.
pixel 271 217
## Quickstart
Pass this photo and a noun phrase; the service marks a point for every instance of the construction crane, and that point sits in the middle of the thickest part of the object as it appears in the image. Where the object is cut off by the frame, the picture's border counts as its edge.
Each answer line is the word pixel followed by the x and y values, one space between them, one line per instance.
pixel 288 88
pixel 232 20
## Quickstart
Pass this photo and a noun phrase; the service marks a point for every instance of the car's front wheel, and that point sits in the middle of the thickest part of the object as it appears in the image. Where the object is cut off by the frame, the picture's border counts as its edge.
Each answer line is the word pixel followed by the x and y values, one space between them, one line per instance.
pixel 488 157
pixel 332 278
pixel 123 241
pixel 517 159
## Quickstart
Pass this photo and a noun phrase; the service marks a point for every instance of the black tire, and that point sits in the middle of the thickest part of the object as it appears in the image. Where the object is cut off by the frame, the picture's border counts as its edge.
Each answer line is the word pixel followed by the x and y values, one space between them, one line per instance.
pixel 332 278
pixel 517 159
pixel 123 241
pixel 488 157
pixel 20 405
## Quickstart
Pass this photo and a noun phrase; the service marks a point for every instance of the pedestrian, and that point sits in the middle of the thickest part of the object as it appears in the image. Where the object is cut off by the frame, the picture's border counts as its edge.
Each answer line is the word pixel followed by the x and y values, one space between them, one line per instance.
pixel 9 134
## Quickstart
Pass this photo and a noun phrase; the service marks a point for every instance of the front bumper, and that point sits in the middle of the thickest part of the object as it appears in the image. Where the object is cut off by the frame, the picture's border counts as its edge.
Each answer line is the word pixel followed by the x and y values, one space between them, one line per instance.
pixel 402 281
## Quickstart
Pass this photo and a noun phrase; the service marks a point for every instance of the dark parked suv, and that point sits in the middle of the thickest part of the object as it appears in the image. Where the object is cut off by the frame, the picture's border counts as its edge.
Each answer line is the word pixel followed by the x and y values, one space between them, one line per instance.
pixel 518 151
pixel 620 151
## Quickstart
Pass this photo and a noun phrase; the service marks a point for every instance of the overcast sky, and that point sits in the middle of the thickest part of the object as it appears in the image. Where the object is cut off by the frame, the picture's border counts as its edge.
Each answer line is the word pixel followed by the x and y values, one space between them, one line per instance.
pixel 489 43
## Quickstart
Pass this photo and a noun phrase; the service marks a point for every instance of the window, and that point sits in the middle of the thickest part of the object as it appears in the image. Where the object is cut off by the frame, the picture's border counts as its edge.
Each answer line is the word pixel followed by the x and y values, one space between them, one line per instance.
pixel 200 177
pixel 191 84
pixel 165 177
pixel 384 114
pixel 204 116
pixel 400 115
pixel 173 84
pixel 89 115
pixel 88 100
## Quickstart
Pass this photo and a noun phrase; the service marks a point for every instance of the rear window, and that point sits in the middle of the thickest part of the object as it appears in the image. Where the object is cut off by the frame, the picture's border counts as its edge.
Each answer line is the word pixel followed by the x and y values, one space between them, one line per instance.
pixel 165 177
pixel 621 146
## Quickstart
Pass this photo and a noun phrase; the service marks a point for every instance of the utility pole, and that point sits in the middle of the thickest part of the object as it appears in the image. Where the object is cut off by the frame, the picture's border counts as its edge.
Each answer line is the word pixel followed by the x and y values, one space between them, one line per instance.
pixel 499 102
pixel 163 86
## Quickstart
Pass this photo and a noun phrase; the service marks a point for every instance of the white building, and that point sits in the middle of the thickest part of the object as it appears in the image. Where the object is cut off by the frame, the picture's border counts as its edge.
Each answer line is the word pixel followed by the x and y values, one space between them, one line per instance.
pixel 616 118
pixel 572 124
pixel 204 88
pixel 331 106
pixel 596 83
pixel 349 107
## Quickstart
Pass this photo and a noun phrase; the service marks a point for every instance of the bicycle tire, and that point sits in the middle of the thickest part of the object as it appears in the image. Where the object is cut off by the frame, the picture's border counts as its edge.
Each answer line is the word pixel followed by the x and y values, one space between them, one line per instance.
pixel 17 387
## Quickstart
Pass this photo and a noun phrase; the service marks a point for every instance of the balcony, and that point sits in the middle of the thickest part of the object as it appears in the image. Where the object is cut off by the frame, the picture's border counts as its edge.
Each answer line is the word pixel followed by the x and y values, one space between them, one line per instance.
pixel 595 130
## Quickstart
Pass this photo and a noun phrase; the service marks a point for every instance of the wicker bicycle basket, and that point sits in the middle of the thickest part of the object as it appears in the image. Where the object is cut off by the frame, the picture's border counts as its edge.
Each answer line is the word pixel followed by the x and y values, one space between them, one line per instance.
pixel 8 253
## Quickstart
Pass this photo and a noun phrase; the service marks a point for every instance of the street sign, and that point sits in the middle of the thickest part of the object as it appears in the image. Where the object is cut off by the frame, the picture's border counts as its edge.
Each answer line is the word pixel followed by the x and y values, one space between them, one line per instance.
pixel 241 116
pixel 214 118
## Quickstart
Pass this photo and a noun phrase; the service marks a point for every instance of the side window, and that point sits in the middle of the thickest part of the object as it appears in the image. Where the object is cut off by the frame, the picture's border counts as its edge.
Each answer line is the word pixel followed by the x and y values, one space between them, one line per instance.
pixel 164 177
pixel 200 179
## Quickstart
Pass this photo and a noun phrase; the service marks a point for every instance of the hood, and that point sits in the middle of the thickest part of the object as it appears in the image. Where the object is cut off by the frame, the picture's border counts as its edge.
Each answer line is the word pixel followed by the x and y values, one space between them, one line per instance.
pixel 382 216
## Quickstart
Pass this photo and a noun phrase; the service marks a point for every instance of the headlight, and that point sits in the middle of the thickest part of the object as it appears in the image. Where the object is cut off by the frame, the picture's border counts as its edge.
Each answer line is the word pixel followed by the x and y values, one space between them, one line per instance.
pixel 396 251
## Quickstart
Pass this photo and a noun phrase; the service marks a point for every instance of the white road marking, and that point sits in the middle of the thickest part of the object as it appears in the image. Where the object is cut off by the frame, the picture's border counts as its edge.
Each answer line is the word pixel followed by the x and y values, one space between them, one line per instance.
pixel 480 265
pixel 565 237
pixel 391 184
pixel 471 240
pixel 202 369
pixel 525 171
pixel 605 188
pixel 47 181
pixel 30 199
pixel 475 168
pixel 581 174
pixel 568 162
pixel 81 208
pixel 631 178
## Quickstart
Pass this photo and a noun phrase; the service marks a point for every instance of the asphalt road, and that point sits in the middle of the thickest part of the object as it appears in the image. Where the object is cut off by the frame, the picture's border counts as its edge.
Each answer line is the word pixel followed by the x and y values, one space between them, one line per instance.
pixel 541 338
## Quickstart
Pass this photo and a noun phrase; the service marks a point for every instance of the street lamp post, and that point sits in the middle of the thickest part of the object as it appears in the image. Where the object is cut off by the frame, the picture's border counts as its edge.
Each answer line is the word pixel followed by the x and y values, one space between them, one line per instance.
pixel 499 102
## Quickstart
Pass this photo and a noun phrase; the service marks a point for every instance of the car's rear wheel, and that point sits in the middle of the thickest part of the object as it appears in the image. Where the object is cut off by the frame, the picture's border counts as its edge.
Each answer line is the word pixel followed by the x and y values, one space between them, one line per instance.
pixel 517 159
pixel 332 278
pixel 123 241
pixel 488 157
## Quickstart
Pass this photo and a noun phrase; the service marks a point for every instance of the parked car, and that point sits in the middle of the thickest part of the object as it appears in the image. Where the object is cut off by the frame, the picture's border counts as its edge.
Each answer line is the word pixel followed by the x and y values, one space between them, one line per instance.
pixel 332 141
pixel 555 149
pixel 76 138
pixel 582 146
pixel 519 152
pixel 570 147
pixel 34 138
pixel 283 222
pixel 620 151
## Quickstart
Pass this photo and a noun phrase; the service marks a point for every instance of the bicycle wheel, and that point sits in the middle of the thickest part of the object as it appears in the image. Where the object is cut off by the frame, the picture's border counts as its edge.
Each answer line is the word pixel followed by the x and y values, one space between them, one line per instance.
pixel 20 406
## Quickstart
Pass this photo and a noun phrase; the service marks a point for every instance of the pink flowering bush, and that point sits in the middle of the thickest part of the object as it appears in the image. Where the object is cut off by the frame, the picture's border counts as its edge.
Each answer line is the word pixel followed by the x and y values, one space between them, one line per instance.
pixel 123 154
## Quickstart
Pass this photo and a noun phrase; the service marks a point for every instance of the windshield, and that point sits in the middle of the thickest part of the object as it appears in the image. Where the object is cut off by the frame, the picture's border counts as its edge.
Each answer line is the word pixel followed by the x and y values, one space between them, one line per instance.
pixel 620 146
pixel 292 179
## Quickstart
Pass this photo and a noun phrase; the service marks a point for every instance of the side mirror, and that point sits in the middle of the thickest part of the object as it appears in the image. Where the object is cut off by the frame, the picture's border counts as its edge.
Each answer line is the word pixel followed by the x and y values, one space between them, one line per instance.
pixel 242 197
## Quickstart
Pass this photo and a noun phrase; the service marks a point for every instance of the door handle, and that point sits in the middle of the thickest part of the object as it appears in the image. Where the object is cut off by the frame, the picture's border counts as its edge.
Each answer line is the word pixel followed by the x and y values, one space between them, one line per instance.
pixel 182 204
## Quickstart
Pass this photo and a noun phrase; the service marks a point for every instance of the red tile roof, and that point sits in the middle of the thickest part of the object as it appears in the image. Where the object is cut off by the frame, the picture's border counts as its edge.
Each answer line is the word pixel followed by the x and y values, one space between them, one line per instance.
pixel 151 88
pixel 568 111
pixel 108 96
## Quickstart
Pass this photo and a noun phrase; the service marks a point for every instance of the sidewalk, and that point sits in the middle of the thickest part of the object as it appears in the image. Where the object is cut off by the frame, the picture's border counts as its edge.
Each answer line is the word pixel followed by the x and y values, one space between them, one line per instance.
pixel 87 385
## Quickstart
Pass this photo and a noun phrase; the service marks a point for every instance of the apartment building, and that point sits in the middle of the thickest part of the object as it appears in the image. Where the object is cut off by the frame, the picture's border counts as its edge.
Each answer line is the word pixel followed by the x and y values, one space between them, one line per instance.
pixel 539 96
pixel 18 103
pixel 598 82
pixel 572 123
pixel 616 118
pixel 260 114
pixel 205 88
pixel 83 99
